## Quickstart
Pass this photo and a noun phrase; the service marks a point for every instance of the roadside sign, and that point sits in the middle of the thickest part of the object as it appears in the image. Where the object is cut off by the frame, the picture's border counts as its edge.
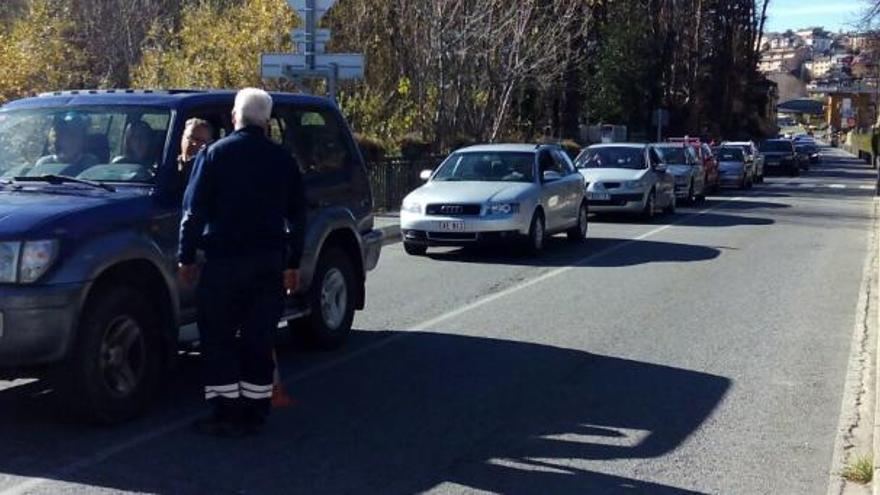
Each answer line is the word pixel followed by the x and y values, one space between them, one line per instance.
pixel 301 36
pixel 321 7
pixel 280 65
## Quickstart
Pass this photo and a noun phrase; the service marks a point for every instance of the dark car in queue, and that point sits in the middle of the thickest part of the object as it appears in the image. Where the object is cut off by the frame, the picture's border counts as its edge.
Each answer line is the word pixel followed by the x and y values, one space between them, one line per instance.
pixel 780 157
pixel 808 153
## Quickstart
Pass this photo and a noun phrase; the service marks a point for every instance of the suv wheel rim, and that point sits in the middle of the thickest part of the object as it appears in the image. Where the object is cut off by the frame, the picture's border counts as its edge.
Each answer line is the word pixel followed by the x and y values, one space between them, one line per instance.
pixel 123 357
pixel 334 298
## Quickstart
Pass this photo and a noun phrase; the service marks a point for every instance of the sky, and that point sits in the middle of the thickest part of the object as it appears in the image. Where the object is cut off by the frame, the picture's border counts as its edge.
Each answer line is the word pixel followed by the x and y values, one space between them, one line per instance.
pixel 830 14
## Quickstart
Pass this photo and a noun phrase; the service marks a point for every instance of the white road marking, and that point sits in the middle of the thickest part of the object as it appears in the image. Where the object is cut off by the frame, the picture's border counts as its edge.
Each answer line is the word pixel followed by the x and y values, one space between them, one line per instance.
pixel 868 188
pixel 108 452
pixel 837 186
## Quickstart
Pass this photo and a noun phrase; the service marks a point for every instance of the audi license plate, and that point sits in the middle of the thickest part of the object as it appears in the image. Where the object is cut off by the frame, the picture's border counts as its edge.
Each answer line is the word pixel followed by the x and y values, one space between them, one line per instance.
pixel 598 196
pixel 451 226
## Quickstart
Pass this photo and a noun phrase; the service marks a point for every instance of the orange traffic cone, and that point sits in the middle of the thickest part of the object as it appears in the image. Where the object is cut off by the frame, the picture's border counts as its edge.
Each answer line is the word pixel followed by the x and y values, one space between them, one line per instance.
pixel 280 397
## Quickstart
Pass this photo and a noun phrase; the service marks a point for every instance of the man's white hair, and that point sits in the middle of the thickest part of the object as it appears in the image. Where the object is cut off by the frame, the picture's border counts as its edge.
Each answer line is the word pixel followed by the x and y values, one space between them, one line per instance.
pixel 253 106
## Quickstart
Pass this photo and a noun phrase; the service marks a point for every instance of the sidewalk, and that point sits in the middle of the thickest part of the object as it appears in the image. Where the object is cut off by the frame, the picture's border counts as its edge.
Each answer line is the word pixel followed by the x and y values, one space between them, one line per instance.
pixel 389 224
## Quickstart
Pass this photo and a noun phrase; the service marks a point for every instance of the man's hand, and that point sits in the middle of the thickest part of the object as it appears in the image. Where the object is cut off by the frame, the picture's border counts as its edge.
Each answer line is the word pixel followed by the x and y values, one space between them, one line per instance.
pixel 291 280
pixel 189 274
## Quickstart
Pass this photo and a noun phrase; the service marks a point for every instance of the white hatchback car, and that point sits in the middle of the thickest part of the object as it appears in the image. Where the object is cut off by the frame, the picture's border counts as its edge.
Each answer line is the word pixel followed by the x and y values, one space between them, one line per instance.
pixel 627 178
pixel 496 192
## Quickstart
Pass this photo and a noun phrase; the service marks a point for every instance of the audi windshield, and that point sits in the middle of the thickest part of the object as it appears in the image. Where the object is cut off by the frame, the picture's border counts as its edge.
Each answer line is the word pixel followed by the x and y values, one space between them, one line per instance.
pixel 102 144
pixel 488 167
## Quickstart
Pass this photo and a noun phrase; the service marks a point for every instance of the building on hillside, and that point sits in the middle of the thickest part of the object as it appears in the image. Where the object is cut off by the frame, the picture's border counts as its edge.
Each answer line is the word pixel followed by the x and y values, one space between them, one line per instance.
pixel 783 59
pixel 788 87
pixel 819 66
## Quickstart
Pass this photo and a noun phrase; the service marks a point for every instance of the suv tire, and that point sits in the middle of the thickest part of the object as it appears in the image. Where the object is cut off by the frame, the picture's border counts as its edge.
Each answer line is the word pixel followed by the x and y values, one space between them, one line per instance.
pixel 414 249
pixel 331 299
pixel 578 233
pixel 115 363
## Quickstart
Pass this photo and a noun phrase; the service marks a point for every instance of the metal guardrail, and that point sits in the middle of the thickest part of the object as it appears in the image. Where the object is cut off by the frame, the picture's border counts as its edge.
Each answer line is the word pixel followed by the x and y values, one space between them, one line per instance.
pixel 391 179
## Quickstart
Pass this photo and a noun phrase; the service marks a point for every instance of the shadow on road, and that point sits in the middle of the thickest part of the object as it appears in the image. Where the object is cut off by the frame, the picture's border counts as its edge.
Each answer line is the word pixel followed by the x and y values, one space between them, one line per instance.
pixel 597 251
pixel 428 410
pixel 691 219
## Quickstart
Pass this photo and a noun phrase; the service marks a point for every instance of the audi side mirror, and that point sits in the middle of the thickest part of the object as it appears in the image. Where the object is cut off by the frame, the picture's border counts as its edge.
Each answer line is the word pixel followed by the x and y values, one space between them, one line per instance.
pixel 550 176
pixel 424 175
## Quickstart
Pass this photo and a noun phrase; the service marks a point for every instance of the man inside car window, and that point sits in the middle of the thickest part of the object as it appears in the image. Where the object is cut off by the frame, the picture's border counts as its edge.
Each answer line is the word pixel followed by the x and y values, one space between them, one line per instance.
pixel 197 134
pixel 70 133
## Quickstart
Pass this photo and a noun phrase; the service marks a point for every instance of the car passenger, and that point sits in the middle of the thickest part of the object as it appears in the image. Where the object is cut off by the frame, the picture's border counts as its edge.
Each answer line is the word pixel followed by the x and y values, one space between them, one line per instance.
pixel 137 144
pixel 197 134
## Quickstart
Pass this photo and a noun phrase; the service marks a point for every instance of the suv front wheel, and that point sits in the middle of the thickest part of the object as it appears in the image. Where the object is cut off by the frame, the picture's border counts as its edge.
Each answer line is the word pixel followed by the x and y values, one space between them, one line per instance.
pixel 332 298
pixel 115 364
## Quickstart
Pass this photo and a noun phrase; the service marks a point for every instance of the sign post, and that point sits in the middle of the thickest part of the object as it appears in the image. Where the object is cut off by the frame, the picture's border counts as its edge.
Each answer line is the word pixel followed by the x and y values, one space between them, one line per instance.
pixel 310 61
pixel 660 118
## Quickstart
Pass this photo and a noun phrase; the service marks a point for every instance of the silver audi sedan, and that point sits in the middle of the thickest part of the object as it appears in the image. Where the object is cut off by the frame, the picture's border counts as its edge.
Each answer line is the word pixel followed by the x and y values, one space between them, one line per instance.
pixel 496 192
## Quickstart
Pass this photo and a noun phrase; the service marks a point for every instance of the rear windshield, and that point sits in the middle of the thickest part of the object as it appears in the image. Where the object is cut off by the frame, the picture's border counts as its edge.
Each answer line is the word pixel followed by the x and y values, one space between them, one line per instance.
pixel 673 155
pixel 487 167
pixel 730 154
pixel 776 146
pixel 105 144
pixel 612 157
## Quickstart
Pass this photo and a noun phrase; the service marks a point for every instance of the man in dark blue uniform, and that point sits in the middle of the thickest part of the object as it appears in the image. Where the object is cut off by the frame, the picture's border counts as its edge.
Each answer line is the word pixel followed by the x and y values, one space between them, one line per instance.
pixel 245 207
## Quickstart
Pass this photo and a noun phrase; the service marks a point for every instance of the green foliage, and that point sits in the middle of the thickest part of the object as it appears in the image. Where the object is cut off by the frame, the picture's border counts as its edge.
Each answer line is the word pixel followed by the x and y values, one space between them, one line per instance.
pixel 35 54
pixel 372 148
pixel 216 46
pixel 861 470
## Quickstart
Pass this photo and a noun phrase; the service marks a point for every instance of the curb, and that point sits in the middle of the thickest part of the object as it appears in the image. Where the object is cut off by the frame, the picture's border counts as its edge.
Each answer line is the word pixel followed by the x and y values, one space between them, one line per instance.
pixel 875 432
pixel 390 234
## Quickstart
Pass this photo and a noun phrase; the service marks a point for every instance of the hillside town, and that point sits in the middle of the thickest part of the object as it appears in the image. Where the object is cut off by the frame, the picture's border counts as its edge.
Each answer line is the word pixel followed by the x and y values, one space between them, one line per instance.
pixel 825 79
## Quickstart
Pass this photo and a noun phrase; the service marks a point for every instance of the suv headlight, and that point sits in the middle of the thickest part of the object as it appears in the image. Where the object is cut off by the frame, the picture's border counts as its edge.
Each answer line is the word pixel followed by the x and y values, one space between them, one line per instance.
pixel 26 262
pixel 411 207
pixel 502 208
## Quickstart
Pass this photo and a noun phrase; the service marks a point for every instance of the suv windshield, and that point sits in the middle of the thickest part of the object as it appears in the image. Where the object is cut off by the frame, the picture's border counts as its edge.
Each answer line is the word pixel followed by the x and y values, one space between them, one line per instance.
pixel 730 154
pixel 776 146
pixel 113 144
pixel 488 167
pixel 673 154
pixel 612 157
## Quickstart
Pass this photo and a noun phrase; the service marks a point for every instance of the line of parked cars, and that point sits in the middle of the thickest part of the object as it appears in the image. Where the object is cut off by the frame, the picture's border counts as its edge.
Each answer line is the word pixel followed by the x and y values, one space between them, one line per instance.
pixel 527 192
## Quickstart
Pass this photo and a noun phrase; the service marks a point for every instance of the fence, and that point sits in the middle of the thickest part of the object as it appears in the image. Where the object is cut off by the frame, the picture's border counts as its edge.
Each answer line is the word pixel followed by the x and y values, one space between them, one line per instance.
pixel 393 178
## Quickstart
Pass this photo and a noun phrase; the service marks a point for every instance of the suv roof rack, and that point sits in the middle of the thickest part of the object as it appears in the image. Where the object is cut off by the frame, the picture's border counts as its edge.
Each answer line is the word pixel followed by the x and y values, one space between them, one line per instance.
pixel 74 92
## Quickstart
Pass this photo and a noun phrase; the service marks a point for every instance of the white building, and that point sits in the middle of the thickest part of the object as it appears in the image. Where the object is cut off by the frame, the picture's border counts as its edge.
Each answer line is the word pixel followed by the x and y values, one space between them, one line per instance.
pixel 819 66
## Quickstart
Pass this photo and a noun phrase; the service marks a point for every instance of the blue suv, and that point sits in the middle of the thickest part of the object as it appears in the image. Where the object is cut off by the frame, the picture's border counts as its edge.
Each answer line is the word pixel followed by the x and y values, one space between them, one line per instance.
pixel 89 296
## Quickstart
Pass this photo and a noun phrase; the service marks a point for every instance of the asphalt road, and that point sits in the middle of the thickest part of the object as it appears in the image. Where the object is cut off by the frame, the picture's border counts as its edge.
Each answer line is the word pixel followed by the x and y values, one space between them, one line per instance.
pixel 703 352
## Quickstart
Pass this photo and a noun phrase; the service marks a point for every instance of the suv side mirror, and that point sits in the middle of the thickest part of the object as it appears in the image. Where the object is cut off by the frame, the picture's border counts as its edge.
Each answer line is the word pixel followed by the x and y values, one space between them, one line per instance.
pixel 424 175
pixel 660 168
pixel 550 176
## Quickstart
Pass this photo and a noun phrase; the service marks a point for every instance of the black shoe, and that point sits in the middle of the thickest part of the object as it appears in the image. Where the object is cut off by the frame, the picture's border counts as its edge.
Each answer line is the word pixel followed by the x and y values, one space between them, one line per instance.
pixel 217 427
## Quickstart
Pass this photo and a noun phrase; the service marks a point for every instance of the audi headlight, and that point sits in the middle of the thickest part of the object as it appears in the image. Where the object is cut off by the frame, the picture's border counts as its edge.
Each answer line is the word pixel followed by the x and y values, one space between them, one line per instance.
pixel 502 208
pixel 411 207
pixel 26 262
pixel 635 184
pixel 36 258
